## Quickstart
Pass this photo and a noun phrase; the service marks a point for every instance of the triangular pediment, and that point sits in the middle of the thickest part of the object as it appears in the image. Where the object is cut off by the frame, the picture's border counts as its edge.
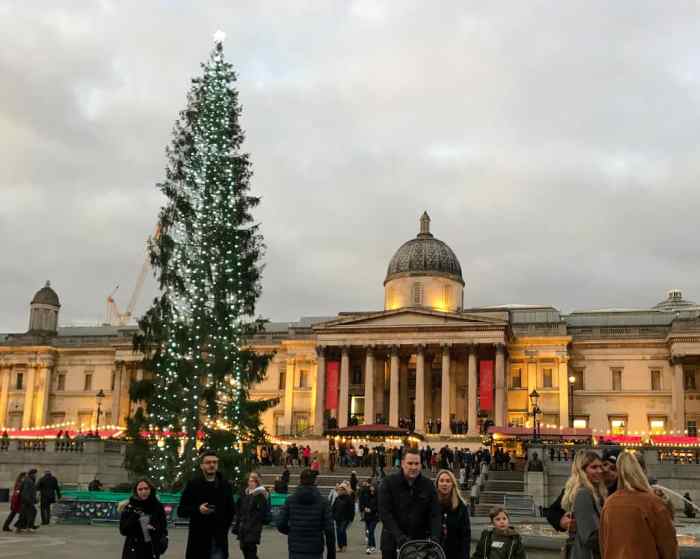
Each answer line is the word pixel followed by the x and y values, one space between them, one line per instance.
pixel 413 317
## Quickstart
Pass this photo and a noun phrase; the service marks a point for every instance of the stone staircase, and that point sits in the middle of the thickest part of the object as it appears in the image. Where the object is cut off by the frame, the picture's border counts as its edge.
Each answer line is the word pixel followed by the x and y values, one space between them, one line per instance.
pixel 506 489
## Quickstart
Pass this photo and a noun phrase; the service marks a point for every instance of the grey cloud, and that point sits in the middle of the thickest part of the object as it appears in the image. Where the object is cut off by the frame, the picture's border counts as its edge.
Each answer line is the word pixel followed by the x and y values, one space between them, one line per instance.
pixel 554 144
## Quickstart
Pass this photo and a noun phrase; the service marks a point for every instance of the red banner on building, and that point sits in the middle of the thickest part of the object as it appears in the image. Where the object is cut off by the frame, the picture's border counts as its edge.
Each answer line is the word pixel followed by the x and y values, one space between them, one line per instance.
pixel 332 374
pixel 486 385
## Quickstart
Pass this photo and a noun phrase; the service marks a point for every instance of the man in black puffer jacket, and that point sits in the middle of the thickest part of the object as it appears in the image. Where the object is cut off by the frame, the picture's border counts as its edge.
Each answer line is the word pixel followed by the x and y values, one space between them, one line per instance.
pixel 408 506
pixel 306 519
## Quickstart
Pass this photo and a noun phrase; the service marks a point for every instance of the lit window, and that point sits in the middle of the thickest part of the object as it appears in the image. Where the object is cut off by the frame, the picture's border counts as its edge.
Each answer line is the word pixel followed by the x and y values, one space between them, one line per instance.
pixel 656 380
pixel 692 426
pixel 547 378
pixel 580 423
pixel 618 426
pixel 417 293
pixel 657 425
pixel 617 380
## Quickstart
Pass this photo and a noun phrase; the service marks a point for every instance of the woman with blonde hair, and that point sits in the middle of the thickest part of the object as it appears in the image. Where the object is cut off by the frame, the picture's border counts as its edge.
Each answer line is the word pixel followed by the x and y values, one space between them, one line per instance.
pixel 584 494
pixel 456 529
pixel 648 527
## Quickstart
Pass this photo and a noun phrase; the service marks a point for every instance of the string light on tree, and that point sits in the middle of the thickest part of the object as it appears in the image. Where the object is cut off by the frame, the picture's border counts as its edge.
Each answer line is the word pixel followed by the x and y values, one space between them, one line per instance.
pixel 207 262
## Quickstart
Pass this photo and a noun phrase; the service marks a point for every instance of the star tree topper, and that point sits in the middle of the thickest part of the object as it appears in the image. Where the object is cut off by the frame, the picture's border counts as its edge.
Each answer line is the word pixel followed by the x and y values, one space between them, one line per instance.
pixel 219 37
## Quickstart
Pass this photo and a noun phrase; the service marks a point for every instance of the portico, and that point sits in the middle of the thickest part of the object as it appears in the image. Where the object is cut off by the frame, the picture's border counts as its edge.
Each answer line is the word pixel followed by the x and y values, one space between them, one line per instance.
pixel 411 364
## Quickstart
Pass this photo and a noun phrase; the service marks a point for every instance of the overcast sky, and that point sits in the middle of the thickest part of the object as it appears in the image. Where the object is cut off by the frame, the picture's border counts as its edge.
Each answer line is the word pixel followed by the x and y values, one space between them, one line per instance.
pixel 554 144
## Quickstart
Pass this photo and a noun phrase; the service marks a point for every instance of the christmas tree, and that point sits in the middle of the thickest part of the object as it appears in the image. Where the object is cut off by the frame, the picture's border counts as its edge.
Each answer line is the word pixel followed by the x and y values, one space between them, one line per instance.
pixel 206 258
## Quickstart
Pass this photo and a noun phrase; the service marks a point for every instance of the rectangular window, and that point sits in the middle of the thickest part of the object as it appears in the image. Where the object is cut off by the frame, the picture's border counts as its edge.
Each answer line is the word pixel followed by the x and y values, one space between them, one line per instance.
pixel 58 417
pixel 279 424
pixel 19 382
pixel 578 379
pixel 303 378
pixel 282 383
pixel 446 296
pixel 61 382
pixel 301 423
pixel 618 425
pixel 580 423
pixel 516 378
pixel 356 375
pixel 88 382
pixel 617 380
pixel 657 425
pixel 656 380
pixel 417 293
pixel 517 421
pixel 547 378
pixel 692 427
pixel 689 377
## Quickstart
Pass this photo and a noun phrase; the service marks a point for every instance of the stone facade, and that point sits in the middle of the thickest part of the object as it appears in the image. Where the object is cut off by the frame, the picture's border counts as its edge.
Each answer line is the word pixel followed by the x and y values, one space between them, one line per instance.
pixel 422 357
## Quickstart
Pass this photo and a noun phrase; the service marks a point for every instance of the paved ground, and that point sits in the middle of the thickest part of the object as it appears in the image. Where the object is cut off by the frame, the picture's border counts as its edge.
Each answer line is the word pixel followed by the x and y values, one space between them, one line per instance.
pixel 59 541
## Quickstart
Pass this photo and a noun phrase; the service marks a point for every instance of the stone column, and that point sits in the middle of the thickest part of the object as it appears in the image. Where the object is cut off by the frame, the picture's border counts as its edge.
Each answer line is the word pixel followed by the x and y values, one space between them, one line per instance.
pixel 344 397
pixel 28 397
pixel 379 387
pixel 428 395
pixel 471 389
pixel 43 385
pixel 5 374
pixel 289 395
pixel 320 403
pixel 124 399
pixel 394 387
pixel 500 411
pixel 445 400
pixel 564 419
pixel 420 389
pixel 403 387
pixel 369 386
pixel 678 396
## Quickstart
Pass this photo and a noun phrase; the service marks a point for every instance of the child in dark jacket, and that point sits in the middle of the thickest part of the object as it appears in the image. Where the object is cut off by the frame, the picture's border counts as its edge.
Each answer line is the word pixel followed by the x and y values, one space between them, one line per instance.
pixel 502 541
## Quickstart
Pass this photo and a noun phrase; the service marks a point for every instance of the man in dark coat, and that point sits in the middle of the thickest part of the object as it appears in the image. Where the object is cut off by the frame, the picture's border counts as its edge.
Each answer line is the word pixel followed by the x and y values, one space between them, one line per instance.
pixel 28 502
pixel 306 519
pixel 207 501
pixel 50 493
pixel 408 506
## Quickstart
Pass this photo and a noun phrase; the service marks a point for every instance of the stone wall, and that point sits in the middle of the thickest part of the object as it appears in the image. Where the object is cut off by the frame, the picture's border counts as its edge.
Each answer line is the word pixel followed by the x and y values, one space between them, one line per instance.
pixel 73 465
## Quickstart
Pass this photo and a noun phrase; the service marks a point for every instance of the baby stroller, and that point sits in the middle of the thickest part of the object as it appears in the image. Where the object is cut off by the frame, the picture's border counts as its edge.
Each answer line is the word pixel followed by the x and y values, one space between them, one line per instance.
pixel 421 549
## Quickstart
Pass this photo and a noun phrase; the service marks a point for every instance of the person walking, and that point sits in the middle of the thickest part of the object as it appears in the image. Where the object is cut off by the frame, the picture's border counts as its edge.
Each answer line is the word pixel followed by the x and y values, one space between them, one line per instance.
pixel 27 497
pixel 408 506
pixel 370 510
pixel 648 526
pixel 343 510
pixel 584 494
pixel 144 524
pixel 49 492
pixel 306 519
pixel 250 516
pixel 455 535
pixel 207 501
pixel 15 503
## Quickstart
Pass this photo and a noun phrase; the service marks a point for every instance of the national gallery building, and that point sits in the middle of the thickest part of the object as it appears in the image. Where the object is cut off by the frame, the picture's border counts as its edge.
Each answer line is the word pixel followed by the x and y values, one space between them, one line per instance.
pixel 422 359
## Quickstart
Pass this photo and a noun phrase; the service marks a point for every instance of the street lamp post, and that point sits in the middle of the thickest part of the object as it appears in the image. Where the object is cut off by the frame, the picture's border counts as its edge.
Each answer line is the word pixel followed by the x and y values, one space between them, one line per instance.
pixel 99 397
pixel 572 380
pixel 534 398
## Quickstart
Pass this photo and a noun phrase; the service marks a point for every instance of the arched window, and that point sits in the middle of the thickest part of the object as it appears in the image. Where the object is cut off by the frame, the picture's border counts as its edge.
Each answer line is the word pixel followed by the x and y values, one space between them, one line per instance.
pixel 417 297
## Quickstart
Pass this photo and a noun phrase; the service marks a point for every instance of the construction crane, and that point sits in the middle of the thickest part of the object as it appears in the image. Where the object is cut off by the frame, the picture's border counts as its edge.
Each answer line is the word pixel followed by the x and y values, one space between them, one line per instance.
pixel 114 316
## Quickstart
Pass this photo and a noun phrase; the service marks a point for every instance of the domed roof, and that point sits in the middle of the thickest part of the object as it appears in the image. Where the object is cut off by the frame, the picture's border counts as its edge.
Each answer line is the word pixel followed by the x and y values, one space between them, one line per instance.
pixel 424 256
pixel 674 302
pixel 46 296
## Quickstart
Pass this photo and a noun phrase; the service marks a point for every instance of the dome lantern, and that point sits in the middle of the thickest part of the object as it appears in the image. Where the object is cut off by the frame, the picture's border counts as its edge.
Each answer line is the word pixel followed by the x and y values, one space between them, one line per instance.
pixel 43 311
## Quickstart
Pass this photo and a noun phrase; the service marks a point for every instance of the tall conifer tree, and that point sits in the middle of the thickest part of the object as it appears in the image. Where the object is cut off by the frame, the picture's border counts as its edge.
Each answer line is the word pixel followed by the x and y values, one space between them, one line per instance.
pixel 207 260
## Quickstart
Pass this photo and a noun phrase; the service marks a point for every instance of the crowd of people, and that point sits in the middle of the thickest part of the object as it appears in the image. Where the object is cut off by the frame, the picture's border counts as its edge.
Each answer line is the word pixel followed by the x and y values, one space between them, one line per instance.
pixel 603 493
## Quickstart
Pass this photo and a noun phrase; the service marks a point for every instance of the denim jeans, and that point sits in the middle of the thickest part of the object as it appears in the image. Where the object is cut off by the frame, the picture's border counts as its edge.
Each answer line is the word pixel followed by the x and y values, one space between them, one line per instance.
pixel 370 527
pixel 341 531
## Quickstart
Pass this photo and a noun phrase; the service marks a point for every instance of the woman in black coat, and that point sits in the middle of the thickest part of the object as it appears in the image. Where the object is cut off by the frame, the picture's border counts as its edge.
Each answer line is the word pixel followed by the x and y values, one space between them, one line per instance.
pixel 343 511
pixel 250 516
pixel 456 533
pixel 144 524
